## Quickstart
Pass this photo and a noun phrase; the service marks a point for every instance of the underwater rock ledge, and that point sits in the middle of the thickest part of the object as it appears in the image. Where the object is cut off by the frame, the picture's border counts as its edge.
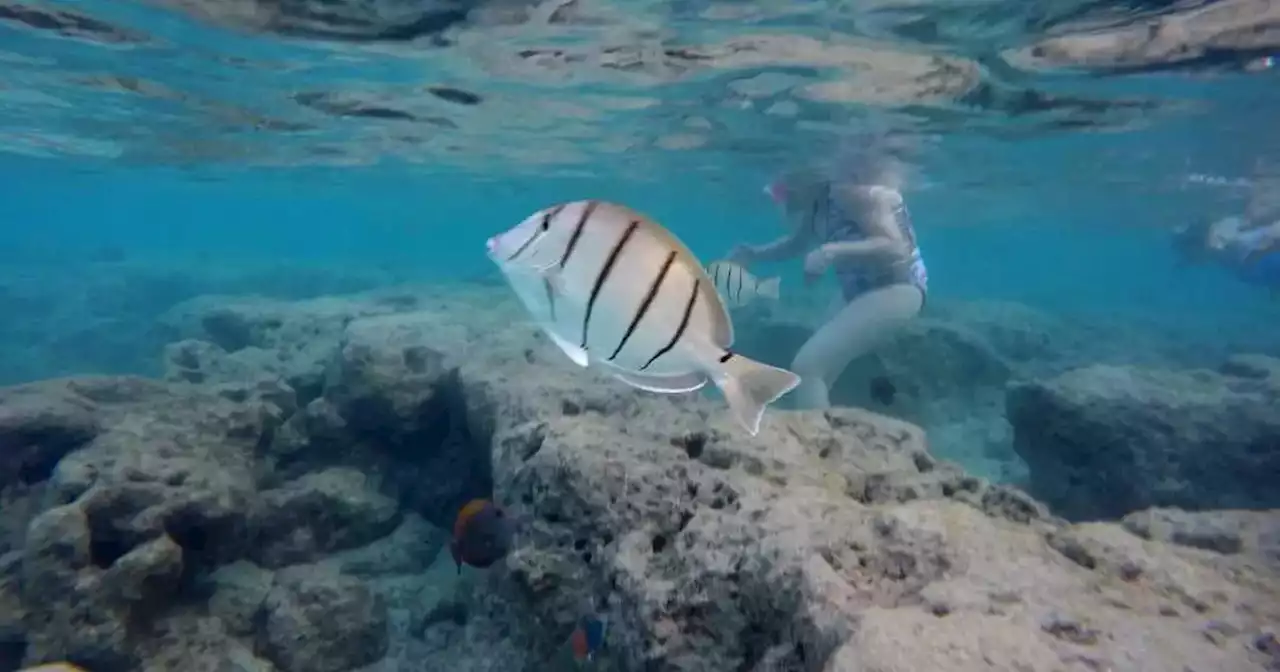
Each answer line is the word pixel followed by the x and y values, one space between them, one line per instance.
pixel 1103 441
pixel 278 502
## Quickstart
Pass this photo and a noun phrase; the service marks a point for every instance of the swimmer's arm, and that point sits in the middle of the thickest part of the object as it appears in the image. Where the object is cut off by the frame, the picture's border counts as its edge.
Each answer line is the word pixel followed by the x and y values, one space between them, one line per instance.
pixel 878 209
pixel 878 247
pixel 786 247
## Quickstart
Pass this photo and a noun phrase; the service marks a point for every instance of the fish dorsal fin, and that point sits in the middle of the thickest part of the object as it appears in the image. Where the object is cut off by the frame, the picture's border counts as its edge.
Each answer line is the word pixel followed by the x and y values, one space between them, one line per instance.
pixel 468 511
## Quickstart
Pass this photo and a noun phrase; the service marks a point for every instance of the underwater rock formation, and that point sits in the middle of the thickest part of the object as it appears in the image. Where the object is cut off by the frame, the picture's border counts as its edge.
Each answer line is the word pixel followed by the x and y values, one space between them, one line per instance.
pixel 1103 441
pixel 236 522
pixel 101 317
pixel 1228 33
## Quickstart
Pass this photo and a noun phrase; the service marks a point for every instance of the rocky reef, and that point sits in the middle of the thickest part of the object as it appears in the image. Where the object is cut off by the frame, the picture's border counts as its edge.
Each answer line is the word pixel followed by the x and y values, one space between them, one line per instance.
pixel 278 503
pixel 99 312
pixel 1102 441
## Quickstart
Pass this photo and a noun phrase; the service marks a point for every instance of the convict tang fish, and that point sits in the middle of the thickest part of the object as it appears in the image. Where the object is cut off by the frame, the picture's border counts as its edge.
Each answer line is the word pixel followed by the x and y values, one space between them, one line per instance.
pixel 738 287
pixel 614 289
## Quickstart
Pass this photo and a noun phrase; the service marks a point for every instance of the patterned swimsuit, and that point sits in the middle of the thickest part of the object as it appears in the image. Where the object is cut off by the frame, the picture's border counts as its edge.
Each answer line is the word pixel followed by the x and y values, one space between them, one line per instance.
pixel 859 276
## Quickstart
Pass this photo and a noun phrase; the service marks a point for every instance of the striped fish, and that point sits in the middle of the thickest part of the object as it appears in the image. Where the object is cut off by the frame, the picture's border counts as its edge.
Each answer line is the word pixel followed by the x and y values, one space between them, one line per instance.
pixel 738 287
pixel 614 289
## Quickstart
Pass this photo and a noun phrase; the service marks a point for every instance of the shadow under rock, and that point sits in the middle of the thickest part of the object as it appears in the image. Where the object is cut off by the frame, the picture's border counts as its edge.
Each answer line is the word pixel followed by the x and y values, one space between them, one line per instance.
pixel 399 412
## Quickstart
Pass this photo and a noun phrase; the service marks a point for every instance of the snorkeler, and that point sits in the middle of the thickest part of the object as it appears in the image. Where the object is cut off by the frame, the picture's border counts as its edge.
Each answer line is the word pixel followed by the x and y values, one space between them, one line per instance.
pixel 857 225
pixel 1249 246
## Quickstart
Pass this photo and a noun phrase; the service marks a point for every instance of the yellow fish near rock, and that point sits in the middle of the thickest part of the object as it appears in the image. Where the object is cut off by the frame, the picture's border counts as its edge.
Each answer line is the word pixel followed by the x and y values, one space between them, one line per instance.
pixel 54 667
pixel 614 289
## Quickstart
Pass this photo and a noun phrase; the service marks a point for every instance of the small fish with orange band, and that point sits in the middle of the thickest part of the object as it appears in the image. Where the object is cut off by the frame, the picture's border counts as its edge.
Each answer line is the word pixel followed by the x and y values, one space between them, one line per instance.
pixel 482 534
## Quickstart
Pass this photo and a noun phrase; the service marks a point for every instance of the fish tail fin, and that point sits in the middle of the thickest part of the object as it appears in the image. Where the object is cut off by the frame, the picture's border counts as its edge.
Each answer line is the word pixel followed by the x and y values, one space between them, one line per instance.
pixel 749 386
pixel 768 288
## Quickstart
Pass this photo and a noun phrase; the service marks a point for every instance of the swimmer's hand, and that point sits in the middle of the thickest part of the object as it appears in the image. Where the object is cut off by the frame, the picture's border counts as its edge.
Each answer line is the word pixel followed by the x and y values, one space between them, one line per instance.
pixel 816 264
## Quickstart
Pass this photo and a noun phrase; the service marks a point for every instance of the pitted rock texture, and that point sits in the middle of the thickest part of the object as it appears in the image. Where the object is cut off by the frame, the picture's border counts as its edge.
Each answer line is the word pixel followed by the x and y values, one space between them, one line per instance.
pixel 251 529
pixel 320 513
pixel 321 622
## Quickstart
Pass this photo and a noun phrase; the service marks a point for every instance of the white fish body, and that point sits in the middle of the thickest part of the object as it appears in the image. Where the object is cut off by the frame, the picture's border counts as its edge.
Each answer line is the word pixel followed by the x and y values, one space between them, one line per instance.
pixel 614 289
pixel 738 287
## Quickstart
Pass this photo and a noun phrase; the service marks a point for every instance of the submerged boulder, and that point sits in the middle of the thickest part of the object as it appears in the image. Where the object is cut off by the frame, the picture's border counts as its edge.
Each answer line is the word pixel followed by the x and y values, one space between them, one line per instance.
pixel 320 513
pixel 146 489
pixel 1103 441
pixel 317 621
pixel 828 542
pixel 232 524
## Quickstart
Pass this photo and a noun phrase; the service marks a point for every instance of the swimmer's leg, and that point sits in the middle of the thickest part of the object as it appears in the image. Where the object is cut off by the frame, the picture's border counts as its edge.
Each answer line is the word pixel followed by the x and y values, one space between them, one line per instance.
pixel 854 331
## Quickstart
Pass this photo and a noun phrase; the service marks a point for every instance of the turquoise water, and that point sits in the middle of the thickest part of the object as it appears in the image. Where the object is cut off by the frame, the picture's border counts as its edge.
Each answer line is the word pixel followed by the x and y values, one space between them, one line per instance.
pixel 326 165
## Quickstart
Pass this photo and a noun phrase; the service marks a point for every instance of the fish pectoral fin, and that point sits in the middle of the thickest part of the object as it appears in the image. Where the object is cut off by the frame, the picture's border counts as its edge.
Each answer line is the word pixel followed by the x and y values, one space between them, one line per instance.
pixel 686 382
pixel 553 278
pixel 575 353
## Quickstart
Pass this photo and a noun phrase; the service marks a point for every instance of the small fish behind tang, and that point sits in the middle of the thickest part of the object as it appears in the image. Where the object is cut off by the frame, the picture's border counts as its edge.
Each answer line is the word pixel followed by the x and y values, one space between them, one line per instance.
pixel 612 288
pixel 738 287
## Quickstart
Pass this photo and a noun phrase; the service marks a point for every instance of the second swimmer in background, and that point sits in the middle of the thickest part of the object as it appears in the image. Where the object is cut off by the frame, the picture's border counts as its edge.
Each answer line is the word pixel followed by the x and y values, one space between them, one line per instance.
pixel 1248 244
pixel 852 220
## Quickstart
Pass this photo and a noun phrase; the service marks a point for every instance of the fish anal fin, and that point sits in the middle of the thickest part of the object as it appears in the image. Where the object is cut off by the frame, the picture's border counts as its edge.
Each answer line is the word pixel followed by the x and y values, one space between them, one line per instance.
pixel 686 382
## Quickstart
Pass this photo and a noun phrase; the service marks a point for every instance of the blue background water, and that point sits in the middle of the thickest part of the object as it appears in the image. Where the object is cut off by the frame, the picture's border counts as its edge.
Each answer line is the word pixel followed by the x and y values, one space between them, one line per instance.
pixel 1076 252
pixel 1008 205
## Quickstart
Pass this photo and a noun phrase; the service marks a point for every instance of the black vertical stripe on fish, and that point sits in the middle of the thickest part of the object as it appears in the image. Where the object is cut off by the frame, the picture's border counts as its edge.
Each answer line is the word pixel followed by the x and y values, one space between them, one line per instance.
pixel 551 298
pixel 684 324
pixel 577 231
pixel 739 292
pixel 537 233
pixel 604 275
pixel 728 355
pixel 644 306
pixel 717 278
